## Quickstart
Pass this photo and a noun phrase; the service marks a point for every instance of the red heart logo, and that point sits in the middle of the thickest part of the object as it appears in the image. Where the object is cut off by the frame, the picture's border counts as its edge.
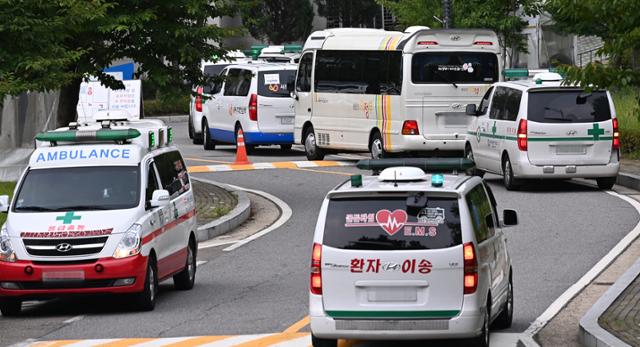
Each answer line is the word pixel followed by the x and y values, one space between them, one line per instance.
pixel 391 222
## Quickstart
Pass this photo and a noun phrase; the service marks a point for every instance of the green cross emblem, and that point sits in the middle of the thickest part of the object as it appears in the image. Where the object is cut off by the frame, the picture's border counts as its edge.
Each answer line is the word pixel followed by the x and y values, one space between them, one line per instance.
pixel 494 128
pixel 68 218
pixel 595 132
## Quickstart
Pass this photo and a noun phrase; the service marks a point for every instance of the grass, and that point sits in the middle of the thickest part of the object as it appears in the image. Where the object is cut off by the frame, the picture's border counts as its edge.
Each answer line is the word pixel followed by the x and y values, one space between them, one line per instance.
pixel 6 188
pixel 215 212
pixel 627 105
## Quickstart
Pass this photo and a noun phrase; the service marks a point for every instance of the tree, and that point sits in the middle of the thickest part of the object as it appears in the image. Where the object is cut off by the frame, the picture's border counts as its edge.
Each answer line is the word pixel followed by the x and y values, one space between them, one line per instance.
pixel 415 12
pixel 55 44
pixel 617 23
pixel 277 21
pixel 349 13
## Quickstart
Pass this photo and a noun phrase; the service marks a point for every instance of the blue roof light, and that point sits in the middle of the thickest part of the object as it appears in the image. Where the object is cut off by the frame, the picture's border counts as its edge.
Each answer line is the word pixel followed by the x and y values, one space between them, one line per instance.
pixel 437 180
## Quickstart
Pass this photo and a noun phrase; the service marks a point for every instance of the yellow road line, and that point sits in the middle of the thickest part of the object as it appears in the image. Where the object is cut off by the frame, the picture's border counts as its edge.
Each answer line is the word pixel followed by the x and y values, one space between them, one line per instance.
pixel 298 325
pixel 124 342
pixel 272 339
pixel 324 171
pixel 209 161
pixel 54 343
pixel 285 165
pixel 192 169
pixel 197 341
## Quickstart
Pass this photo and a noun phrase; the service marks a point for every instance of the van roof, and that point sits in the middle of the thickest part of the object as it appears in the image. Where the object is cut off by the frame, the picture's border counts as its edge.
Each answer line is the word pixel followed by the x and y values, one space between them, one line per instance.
pixel 265 66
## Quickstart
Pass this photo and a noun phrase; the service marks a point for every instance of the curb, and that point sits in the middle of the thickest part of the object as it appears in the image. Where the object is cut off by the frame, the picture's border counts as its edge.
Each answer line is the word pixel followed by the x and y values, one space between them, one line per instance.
pixel 591 333
pixel 171 118
pixel 628 180
pixel 228 222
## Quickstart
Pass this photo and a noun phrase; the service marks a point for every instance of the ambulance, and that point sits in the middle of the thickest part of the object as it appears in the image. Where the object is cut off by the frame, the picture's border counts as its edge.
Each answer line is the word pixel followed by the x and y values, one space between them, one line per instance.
pixel 388 92
pixel 102 208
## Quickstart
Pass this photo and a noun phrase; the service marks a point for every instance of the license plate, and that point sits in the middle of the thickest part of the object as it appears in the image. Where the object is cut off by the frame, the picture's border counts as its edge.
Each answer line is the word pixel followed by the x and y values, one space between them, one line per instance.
pixel 49 276
pixel 567 150
pixel 286 120
pixel 392 294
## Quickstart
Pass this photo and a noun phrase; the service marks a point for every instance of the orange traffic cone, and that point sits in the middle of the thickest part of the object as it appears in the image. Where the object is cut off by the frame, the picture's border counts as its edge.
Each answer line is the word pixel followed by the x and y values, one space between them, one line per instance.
pixel 241 154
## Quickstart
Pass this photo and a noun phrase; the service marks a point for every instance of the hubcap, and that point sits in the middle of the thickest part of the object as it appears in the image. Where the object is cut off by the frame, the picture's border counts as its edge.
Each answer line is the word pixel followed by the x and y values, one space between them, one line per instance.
pixel 310 144
pixel 191 267
pixel 376 149
pixel 152 284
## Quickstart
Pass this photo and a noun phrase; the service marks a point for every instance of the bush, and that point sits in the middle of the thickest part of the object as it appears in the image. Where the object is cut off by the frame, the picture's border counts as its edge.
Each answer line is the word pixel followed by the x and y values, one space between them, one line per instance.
pixel 167 105
pixel 628 111
pixel 6 188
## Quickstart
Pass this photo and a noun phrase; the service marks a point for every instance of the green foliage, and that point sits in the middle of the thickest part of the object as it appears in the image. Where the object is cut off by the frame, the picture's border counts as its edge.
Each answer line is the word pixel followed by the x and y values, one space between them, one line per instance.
pixel 353 13
pixel 167 105
pixel 277 21
pixel 618 24
pixel 415 12
pixel 6 188
pixel 628 113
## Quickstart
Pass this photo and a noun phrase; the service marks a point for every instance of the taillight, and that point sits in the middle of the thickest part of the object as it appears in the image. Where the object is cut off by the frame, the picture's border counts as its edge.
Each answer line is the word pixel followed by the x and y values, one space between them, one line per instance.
pixel 199 99
pixel 410 127
pixel 470 268
pixel 616 135
pixel 316 272
pixel 253 107
pixel 483 43
pixel 522 135
pixel 427 43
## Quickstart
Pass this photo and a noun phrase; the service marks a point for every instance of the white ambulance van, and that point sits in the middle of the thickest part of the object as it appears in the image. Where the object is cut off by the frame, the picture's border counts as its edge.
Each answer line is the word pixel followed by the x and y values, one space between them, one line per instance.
pixel 101 208
pixel 391 92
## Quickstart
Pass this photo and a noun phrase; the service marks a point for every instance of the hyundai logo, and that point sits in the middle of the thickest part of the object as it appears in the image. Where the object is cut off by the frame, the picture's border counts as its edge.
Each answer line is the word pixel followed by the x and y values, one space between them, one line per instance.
pixel 64 247
pixel 571 132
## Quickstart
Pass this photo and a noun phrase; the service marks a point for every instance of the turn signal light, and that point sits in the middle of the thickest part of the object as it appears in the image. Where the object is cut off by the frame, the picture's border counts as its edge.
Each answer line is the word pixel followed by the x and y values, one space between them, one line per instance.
pixel 410 127
pixel 470 279
pixel 522 135
pixel 199 99
pixel 253 107
pixel 316 272
pixel 616 135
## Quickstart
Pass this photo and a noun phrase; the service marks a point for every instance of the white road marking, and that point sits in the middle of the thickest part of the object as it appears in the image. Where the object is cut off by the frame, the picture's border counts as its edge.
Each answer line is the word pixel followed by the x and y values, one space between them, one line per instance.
pixel 235 340
pixel 562 300
pixel 72 320
pixel 215 243
pixel 162 342
pixel 201 262
pixel 299 342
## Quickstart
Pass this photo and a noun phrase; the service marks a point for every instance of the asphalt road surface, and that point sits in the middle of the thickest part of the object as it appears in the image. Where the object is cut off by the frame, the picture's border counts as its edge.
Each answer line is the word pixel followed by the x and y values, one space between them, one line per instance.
pixel 261 287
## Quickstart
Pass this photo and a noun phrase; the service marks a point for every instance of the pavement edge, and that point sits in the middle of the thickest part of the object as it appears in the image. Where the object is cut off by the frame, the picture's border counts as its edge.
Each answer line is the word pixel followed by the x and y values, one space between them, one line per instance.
pixel 628 180
pixel 228 222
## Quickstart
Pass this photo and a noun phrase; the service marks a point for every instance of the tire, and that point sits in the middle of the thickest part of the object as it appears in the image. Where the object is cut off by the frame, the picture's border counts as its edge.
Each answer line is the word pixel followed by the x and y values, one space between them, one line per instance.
pixel 376 147
pixel 208 143
pixel 191 132
pixel 195 138
pixel 483 339
pixel 468 153
pixel 505 318
pixel 318 342
pixel 606 183
pixel 311 148
pixel 146 300
pixel 510 182
pixel 186 279
pixel 10 307
pixel 286 148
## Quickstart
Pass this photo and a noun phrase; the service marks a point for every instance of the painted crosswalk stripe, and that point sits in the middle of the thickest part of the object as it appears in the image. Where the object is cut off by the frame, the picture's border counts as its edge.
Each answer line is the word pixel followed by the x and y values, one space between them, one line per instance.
pixel 265 166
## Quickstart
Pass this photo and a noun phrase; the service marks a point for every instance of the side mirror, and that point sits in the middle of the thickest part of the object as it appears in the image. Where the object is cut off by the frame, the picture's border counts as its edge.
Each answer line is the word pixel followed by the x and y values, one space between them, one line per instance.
pixel 160 198
pixel 4 203
pixel 471 110
pixel 510 217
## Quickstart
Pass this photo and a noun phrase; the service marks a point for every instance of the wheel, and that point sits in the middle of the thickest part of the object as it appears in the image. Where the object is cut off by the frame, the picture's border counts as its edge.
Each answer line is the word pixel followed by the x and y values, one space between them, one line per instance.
pixel 318 342
pixel 10 307
pixel 505 318
pixel 509 181
pixel 311 148
pixel 468 153
pixel 483 339
pixel 606 183
pixel 376 147
pixel 286 147
pixel 207 141
pixel 146 300
pixel 187 278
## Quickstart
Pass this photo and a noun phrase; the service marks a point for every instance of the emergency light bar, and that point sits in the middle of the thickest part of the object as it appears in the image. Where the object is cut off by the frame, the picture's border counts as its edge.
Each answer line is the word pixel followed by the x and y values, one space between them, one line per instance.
pixel 87 136
pixel 426 164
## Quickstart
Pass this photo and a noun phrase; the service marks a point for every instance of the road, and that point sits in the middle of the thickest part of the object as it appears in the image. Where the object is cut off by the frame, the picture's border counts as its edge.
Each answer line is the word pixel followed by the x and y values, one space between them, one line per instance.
pixel 261 287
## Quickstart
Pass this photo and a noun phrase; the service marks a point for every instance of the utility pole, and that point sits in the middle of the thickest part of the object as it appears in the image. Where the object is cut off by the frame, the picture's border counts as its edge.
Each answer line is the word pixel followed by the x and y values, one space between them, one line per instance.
pixel 448 15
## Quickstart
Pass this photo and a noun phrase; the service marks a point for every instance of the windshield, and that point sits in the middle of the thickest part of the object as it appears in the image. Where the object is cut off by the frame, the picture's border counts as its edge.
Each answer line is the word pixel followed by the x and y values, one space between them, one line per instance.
pixel 568 106
pixel 79 188
pixel 454 67
pixel 388 224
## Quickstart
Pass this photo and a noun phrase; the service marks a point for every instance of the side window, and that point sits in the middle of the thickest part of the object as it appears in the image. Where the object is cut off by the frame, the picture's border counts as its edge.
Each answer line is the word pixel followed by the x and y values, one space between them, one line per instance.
pixel 481 211
pixel 484 104
pixel 497 104
pixel 245 83
pixel 217 85
pixel 152 182
pixel 303 80
pixel 512 105
pixel 173 173
pixel 232 82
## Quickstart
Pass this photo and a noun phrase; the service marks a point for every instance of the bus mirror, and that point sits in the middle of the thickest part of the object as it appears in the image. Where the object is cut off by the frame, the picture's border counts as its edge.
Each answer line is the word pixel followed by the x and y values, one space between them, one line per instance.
pixel 471 110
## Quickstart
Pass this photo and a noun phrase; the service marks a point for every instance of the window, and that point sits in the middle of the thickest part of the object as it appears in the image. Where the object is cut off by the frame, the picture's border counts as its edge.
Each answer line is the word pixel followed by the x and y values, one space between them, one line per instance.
pixel 238 82
pixel 303 81
pixel 284 79
pixel 245 83
pixel 359 72
pixel 379 224
pixel 484 104
pixel 152 182
pixel 173 173
pixel 454 67
pixel 481 213
pixel 512 104
pixel 568 106
pixel 497 103
pixel 213 70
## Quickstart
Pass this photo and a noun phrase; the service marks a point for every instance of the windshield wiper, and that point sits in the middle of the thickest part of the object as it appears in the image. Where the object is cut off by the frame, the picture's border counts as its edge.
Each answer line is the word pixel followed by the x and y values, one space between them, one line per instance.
pixel 80 208
pixel 34 208
pixel 444 77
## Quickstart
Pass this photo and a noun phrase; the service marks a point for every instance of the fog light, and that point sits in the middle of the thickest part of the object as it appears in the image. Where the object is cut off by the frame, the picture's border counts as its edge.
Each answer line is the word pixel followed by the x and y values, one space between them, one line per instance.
pixel 28 270
pixel 124 282
pixel 9 285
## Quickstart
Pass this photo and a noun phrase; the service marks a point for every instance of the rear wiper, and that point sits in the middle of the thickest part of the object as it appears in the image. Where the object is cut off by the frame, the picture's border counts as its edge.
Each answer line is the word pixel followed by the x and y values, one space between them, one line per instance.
pixel 560 119
pixel 446 78
pixel 34 208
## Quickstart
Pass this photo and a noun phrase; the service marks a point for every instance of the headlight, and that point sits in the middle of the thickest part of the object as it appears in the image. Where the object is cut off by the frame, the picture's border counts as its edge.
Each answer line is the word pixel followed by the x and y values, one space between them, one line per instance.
pixel 130 244
pixel 6 250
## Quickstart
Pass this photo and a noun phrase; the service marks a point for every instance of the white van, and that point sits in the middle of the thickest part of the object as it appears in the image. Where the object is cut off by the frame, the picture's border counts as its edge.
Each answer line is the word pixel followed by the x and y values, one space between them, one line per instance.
pixel 254 98
pixel 103 208
pixel 391 92
pixel 542 129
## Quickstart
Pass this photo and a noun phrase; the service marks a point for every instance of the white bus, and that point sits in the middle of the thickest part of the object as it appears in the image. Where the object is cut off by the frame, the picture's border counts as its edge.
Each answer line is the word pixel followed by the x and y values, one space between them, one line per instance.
pixel 391 92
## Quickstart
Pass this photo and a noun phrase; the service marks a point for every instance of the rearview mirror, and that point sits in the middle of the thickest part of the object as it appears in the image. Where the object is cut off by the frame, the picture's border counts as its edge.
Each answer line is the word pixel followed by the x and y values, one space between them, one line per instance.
pixel 471 110
pixel 160 198
pixel 417 201
pixel 510 217
pixel 4 203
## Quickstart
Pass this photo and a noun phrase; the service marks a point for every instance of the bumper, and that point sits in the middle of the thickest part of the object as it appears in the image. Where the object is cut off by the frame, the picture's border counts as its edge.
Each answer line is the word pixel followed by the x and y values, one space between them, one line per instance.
pixel 524 169
pixel 418 143
pixel 196 119
pixel 268 138
pixel 46 281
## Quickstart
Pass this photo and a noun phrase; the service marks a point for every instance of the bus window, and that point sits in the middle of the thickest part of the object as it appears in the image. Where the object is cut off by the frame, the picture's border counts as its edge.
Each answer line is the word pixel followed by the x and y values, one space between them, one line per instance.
pixel 454 67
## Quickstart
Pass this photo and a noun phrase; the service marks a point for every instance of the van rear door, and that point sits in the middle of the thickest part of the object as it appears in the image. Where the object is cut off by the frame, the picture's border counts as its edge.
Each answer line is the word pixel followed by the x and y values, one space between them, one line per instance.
pixel 569 127
pixel 275 106
pixel 381 259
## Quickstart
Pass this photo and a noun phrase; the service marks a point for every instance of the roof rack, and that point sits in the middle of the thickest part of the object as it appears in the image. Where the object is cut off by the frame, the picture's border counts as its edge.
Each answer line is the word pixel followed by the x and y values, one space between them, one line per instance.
pixel 433 165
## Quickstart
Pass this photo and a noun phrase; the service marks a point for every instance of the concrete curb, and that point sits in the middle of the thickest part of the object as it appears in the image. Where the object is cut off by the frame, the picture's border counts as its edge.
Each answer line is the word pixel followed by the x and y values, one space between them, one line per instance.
pixel 229 221
pixel 628 180
pixel 591 333
pixel 171 118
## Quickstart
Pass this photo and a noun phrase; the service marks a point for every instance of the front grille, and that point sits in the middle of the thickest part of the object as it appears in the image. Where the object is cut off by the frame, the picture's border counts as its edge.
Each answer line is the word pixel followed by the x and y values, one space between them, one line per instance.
pixel 65 247
pixel 424 324
pixel 66 284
